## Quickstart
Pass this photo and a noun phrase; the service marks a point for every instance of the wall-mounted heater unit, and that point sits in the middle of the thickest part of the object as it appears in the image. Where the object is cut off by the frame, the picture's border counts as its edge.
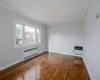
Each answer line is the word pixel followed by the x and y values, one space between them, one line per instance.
pixel 30 53
pixel 78 50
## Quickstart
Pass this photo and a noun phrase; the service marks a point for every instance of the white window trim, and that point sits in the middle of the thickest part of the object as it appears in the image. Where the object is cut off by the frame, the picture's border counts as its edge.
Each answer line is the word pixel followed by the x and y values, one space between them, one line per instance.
pixel 40 36
pixel 23 26
pixel 17 22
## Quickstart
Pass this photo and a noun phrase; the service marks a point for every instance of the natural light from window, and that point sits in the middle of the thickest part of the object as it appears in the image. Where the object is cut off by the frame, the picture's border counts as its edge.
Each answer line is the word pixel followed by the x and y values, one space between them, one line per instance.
pixel 19 34
pixel 27 35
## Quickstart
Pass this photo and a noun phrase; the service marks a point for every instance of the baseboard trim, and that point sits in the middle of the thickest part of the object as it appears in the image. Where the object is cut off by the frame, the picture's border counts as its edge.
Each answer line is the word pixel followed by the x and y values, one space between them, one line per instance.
pixel 90 76
pixel 64 53
pixel 78 56
pixel 9 65
pixel 16 62
pixel 43 52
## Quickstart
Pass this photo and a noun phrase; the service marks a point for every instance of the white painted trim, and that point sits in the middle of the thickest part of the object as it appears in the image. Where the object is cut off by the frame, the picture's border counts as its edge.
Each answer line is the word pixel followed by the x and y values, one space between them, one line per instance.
pixel 86 8
pixel 42 52
pixel 21 23
pixel 66 21
pixel 9 8
pixel 48 24
pixel 9 65
pixel 80 56
pixel 87 68
pixel 76 19
pixel 66 53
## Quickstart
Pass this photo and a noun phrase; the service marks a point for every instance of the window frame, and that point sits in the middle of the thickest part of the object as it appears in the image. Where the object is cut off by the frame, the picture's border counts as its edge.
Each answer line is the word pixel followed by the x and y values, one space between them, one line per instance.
pixel 40 35
pixel 26 24
pixel 23 35
pixel 21 23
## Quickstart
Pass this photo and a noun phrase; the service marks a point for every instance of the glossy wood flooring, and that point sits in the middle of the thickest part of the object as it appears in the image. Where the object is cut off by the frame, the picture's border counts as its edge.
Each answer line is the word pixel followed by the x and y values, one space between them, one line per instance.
pixel 47 67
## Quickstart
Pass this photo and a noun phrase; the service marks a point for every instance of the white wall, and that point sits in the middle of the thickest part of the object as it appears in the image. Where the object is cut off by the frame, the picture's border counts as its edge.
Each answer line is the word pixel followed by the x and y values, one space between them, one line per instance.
pixel 92 39
pixel 9 54
pixel 63 37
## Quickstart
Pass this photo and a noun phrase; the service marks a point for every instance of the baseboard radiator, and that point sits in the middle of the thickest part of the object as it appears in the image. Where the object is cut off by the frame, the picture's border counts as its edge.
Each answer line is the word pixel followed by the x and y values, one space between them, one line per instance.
pixel 30 53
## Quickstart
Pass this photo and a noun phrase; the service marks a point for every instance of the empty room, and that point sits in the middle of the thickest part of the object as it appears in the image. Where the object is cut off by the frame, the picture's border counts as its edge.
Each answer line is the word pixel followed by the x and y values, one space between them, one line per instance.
pixel 49 39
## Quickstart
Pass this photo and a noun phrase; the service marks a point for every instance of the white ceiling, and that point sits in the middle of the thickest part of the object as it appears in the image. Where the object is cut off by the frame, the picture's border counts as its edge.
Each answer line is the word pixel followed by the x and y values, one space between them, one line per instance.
pixel 49 11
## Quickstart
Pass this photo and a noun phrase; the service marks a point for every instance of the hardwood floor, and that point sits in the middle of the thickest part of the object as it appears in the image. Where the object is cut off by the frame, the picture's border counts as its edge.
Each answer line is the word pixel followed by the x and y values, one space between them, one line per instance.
pixel 47 67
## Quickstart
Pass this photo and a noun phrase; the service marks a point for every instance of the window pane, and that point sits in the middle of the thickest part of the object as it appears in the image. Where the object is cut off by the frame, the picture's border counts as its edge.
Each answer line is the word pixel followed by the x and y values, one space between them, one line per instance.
pixel 38 36
pixel 19 33
pixel 38 31
pixel 29 35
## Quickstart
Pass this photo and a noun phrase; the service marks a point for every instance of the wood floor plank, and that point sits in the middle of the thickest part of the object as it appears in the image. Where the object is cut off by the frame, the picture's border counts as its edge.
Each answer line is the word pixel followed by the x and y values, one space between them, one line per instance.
pixel 48 66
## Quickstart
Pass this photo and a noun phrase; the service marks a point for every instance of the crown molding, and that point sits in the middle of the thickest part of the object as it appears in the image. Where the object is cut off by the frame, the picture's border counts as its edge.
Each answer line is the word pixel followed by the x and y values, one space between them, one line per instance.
pixel 86 8
pixel 55 22
pixel 66 21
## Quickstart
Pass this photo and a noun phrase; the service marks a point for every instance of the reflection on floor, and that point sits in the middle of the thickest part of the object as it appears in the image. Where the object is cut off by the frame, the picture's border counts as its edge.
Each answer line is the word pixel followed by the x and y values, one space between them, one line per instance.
pixel 48 66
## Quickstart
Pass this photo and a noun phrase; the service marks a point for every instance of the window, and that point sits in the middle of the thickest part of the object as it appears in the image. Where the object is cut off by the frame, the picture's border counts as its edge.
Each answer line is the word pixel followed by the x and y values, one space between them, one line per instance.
pixel 26 35
pixel 19 34
pixel 38 36
pixel 29 35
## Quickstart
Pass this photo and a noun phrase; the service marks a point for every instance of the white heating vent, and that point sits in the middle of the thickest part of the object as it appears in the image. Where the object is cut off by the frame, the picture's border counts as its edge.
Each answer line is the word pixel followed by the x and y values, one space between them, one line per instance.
pixel 78 50
pixel 29 53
